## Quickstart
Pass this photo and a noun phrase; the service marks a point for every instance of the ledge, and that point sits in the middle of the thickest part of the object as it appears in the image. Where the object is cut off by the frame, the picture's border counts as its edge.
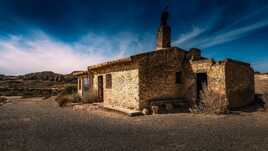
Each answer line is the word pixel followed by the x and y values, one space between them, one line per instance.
pixel 109 63
pixel 123 110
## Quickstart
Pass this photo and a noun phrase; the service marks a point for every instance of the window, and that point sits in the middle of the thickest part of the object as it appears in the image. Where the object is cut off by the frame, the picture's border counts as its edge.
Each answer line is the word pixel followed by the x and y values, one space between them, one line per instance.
pixel 178 77
pixel 108 81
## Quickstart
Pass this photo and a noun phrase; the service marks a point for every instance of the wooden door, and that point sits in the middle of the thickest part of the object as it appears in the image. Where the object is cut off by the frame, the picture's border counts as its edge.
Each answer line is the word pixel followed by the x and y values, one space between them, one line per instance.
pixel 100 88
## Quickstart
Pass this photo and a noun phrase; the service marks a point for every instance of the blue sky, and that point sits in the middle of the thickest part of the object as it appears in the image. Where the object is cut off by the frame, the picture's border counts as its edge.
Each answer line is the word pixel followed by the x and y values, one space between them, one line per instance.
pixel 67 35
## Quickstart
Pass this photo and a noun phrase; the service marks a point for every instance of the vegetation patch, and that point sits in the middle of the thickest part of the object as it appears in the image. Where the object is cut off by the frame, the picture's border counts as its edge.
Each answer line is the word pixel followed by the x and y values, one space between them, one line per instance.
pixel 63 100
pixel 211 102
pixel 68 95
pixel 3 100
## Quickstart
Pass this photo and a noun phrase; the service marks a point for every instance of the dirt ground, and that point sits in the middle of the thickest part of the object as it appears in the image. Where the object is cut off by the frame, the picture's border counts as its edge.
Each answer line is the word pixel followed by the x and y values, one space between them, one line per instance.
pixel 39 125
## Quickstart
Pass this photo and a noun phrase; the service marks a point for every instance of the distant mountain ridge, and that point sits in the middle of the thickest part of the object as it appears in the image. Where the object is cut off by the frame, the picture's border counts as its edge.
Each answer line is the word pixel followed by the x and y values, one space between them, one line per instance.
pixel 35 84
pixel 41 76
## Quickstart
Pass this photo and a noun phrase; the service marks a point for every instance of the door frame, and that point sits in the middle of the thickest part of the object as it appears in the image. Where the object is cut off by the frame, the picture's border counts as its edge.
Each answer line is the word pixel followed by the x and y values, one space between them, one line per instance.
pixel 201 79
pixel 100 88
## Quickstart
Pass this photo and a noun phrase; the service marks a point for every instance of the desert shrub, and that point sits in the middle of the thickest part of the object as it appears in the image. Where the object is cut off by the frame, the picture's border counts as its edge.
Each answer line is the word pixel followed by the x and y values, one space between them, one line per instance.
pixel 90 97
pixel 76 98
pixel 69 89
pixel 62 100
pixel 212 102
pixel 3 100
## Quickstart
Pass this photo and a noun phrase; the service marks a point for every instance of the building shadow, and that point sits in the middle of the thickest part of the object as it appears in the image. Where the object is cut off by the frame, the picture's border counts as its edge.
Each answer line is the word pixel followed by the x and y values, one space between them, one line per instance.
pixel 257 105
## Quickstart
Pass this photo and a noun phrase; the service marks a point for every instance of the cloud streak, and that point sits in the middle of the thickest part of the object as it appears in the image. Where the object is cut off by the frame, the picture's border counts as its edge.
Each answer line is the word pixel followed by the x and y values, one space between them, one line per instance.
pixel 199 37
pixel 186 37
pixel 232 35
pixel 39 52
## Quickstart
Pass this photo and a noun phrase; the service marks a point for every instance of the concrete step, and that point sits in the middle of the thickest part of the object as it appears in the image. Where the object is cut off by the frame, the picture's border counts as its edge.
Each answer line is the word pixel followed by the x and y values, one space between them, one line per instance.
pixel 129 112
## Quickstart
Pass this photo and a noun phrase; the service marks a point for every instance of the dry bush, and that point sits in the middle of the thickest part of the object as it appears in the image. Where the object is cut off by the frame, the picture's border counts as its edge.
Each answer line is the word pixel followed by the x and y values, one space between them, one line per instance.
pixel 68 95
pixel 90 97
pixel 3 100
pixel 62 100
pixel 213 102
pixel 69 89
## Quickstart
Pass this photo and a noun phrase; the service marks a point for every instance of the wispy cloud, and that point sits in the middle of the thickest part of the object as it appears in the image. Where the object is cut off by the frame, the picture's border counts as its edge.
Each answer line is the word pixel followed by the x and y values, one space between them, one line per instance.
pixel 185 38
pixel 232 35
pixel 198 37
pixel 231 32
pixel 40 52
pixel 255 13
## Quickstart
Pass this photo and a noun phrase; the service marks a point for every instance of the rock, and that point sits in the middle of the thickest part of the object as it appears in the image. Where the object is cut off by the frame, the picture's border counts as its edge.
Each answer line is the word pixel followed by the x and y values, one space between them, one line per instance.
pixel 155 109
pixel 145 111
pixel 78 108
pixel 169 107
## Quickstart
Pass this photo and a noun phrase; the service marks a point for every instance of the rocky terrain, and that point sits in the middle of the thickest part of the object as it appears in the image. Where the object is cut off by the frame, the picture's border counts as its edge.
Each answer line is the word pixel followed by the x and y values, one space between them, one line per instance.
pixel 261 83
pixel 34 84
pixel 261 87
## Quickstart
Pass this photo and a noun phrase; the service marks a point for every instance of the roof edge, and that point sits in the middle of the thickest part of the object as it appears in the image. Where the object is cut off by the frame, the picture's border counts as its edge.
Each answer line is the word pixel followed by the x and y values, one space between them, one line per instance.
pixel 109 63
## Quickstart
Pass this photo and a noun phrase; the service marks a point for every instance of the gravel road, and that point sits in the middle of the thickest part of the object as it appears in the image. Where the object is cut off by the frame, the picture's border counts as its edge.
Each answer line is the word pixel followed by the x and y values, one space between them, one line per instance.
pixel 38 125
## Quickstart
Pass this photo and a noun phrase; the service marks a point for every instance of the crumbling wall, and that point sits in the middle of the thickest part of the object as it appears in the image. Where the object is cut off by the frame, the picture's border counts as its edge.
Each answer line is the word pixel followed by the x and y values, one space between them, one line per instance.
pixel 239 83
pixel 125 85
pixel 216 80
pixel 232 79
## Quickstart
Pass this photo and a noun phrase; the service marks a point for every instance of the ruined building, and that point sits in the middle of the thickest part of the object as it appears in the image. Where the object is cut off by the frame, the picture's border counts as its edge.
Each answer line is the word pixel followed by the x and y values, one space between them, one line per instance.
pixel 167 73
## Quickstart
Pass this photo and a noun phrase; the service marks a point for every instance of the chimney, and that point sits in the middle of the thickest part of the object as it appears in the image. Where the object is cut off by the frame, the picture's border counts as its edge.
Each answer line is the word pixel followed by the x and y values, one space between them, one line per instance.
pixel 164 32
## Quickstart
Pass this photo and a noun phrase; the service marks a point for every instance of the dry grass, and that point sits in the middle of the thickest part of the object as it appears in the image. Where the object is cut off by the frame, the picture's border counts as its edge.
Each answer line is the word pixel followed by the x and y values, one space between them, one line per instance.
pixel 213 102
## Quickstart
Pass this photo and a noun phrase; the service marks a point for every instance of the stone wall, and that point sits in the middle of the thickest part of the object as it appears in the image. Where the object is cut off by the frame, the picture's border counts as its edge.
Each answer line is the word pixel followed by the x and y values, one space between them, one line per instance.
pixel 232 79
pixel 125 85
pixel 157 75
pixel 215 74
pixel 240 83
pixel 217 79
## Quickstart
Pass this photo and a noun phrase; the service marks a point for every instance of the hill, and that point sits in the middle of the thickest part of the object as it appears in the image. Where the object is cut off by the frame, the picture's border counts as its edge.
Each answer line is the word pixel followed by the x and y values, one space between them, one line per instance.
pixel 34 84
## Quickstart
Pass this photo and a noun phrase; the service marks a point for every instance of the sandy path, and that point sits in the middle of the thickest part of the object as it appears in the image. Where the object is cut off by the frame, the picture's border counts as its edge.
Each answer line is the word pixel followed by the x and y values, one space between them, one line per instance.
pixel 41 126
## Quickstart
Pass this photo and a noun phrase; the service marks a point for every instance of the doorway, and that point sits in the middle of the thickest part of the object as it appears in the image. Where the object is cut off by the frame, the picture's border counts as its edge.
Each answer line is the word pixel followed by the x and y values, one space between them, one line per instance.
pixel 201 79
pixel 100 88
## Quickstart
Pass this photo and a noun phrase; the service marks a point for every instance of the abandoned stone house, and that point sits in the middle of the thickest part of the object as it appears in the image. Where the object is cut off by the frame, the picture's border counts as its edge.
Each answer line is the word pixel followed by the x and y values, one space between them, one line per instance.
pixel 167 73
